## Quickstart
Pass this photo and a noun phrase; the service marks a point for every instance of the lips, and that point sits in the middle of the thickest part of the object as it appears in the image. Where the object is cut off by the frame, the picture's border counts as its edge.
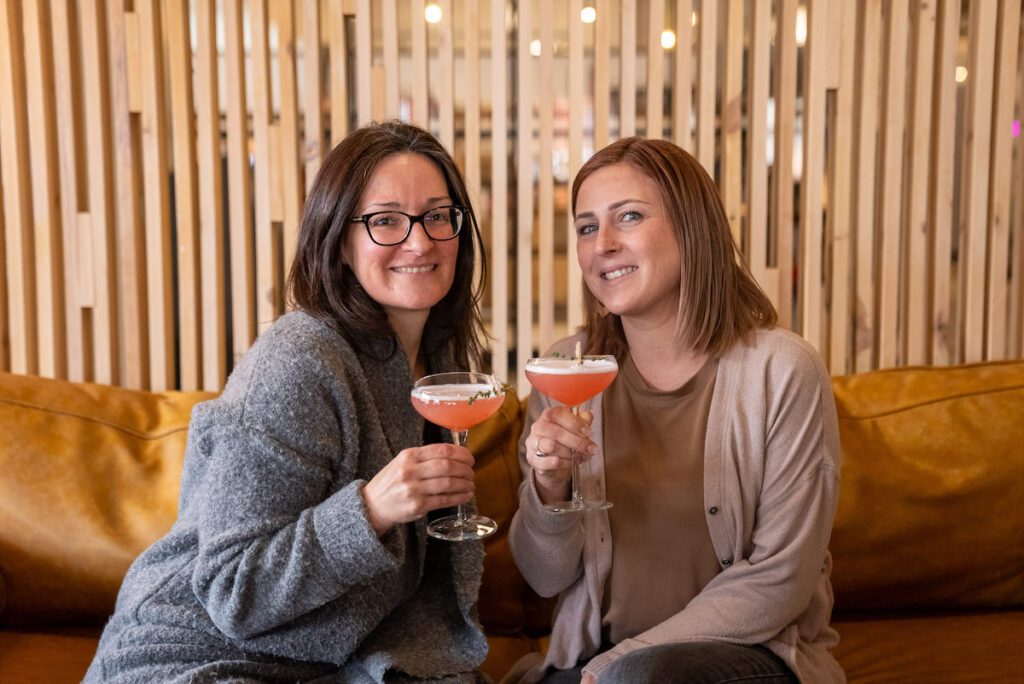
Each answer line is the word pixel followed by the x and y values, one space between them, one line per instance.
pixel 618 272
pixel 414 269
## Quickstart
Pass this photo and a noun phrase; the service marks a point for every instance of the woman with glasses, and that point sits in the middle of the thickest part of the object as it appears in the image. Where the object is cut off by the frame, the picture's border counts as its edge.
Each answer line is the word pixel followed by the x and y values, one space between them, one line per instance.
pixel 300 549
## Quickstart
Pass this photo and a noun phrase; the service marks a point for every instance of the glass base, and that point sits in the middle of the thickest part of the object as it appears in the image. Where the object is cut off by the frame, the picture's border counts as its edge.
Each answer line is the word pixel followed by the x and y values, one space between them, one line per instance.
pixel 472 527
pixel 577 506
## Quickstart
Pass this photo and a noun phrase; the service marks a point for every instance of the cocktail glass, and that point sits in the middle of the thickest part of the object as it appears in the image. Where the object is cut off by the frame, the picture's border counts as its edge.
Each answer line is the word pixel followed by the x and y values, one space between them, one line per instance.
pixel 458 401
pixel 573 381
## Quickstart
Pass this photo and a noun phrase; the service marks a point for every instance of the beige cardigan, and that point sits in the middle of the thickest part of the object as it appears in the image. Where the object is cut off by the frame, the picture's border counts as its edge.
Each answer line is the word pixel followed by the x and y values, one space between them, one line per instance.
pixel 771 482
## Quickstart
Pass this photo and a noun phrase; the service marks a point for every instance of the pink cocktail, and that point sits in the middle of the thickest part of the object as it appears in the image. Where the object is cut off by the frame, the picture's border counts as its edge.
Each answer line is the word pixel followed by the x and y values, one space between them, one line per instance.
pixel 458 401
pixel 456 407
pixel 573 381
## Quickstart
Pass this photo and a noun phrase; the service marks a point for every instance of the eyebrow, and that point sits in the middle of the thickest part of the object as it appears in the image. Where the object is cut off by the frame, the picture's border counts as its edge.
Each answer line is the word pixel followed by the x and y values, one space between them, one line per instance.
pixel 397 205
pixel 613 205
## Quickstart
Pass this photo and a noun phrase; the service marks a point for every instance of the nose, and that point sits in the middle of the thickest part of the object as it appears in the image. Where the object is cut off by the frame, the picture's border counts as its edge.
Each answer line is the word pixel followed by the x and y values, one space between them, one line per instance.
pixel 607 243
pixel 418 239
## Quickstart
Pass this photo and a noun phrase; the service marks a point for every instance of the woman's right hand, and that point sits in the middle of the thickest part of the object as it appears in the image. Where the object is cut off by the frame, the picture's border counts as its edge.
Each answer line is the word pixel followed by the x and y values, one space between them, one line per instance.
pixel 553 437
pixel 416 481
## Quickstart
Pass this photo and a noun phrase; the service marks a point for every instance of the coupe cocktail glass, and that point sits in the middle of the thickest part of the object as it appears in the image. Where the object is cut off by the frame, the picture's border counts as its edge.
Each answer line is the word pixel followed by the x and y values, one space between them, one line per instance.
pixel 458 401
pixel 573 381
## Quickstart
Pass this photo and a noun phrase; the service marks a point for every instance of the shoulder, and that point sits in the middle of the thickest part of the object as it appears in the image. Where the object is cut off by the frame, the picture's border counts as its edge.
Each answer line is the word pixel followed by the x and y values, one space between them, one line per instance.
pixel 298 361
pixel 774 351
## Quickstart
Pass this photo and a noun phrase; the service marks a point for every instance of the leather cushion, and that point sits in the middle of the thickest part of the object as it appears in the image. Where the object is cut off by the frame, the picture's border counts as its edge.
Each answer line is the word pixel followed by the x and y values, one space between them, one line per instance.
pixel 91 476
pixel 930 512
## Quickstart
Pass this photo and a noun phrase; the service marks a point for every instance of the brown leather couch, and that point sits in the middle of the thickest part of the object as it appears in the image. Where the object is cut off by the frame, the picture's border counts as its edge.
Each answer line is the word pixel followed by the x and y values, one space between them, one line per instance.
pixel 928 542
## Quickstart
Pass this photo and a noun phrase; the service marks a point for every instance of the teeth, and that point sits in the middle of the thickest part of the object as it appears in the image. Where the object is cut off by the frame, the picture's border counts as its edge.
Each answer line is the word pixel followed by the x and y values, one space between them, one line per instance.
pixel 413 269
pixel 618 273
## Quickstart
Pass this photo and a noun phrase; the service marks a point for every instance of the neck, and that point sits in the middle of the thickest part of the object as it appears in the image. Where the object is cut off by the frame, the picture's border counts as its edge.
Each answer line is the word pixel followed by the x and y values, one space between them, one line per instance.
pixel 409 328
pixel 663 360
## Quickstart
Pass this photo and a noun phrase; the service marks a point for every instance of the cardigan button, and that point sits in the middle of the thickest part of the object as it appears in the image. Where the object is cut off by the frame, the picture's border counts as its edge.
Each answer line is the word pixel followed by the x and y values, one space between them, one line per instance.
pixel 713 510
pixel 726 561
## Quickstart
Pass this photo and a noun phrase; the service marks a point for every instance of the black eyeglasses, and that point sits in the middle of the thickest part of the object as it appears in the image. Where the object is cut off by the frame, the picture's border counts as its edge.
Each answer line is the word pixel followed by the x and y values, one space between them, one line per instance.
pixel 387 228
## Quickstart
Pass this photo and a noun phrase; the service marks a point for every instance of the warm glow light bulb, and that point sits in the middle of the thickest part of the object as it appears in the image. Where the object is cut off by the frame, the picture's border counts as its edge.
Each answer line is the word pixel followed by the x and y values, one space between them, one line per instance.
pixel 433 13
pixel 961 74
pixel 668 39
pixel 588 15
pixel 801 25
pixel 535 48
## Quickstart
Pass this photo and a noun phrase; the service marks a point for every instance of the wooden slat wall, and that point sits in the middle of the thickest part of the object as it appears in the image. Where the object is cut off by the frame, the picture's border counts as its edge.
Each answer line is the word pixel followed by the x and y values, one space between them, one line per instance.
pixel 120 128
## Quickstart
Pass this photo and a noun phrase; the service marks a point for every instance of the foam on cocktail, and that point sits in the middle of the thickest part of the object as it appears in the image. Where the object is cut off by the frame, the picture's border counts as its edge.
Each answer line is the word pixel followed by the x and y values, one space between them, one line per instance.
pixel 457 407
pixel 572 366
pixel 439 393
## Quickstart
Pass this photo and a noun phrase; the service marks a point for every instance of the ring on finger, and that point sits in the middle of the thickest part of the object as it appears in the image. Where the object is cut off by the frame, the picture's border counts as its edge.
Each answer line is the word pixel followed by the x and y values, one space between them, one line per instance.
pixel 538 453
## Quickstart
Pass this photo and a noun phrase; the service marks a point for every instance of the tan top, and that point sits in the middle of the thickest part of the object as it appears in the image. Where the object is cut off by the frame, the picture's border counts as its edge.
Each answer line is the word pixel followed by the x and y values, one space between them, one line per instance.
pixel 654 465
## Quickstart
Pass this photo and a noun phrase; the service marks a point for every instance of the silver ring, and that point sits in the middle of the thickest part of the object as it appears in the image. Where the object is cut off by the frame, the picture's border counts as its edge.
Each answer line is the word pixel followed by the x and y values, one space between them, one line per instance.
pixel 539 454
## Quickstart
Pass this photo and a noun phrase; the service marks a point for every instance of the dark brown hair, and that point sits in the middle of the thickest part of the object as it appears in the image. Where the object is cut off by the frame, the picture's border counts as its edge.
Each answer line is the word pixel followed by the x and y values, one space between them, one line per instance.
pixel 719 301
pixel 322 285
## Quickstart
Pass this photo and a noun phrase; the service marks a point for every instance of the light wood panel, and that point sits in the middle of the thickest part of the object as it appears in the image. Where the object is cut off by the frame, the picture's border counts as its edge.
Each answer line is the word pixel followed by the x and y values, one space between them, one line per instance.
pixel 125 122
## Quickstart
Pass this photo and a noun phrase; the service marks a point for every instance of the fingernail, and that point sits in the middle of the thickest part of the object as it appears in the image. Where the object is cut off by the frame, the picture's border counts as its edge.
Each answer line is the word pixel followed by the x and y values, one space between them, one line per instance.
pixel 592 449
pixel 587 431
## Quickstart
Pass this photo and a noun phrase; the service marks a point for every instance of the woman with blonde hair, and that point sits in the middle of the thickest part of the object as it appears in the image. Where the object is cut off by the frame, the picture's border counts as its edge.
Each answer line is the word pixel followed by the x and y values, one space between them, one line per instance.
pixel 717 444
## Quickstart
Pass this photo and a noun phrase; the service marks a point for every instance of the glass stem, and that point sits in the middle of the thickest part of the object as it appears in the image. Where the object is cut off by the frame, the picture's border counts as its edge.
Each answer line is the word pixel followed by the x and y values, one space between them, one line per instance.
pixel 574 459
pixel 459 439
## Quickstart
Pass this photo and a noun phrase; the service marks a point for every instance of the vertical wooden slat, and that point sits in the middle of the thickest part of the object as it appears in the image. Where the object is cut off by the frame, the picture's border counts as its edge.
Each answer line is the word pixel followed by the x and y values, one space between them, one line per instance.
pixel 240 196
pixel 5 331
pixel 290 165
pixel 757 140
pixel 655 70
pixel 130 230
pixel 446 64
pixel 602 73
pixel 364 61
pixel 46 215
pixel 312 69
pixel 916 264
pixel 101 219
pixel 156 196
pixel 471 60
pixel 524 192
pixel 577 104
pixel 864 187
pixel 974 205
pixel 1016 321
pixel 891 188
pixel 339 72
pixel 67 81
pixel 211 205
pixel 707 68
pixel 16 174
pixel 627 61
pixel 810 264
pixel 420 92
pixel 392 73
pixel 471 108
pixel 841 177
pixel 499 193
pixel 682 86
pixel 731 180
pixel 267 272
pixel 782 163
pixel 546 200
pixel 943 331
pixel 999 200
pixel 186 209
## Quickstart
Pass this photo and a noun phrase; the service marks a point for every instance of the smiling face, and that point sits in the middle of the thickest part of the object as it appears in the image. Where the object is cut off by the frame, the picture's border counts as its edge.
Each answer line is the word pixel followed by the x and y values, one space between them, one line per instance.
pixel 409 278
pixel 627 248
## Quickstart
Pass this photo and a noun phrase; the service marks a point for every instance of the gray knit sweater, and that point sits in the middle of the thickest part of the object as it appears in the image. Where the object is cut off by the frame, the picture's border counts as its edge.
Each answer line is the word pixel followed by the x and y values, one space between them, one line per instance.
pixel 272 570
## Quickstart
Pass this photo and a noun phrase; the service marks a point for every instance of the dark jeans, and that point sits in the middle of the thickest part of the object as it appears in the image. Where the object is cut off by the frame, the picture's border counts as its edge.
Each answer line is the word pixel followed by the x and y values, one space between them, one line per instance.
pixel 692 663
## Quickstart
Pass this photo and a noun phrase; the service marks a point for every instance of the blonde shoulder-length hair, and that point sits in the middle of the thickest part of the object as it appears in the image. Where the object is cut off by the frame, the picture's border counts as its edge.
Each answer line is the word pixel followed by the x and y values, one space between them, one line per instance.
pixel 719 301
